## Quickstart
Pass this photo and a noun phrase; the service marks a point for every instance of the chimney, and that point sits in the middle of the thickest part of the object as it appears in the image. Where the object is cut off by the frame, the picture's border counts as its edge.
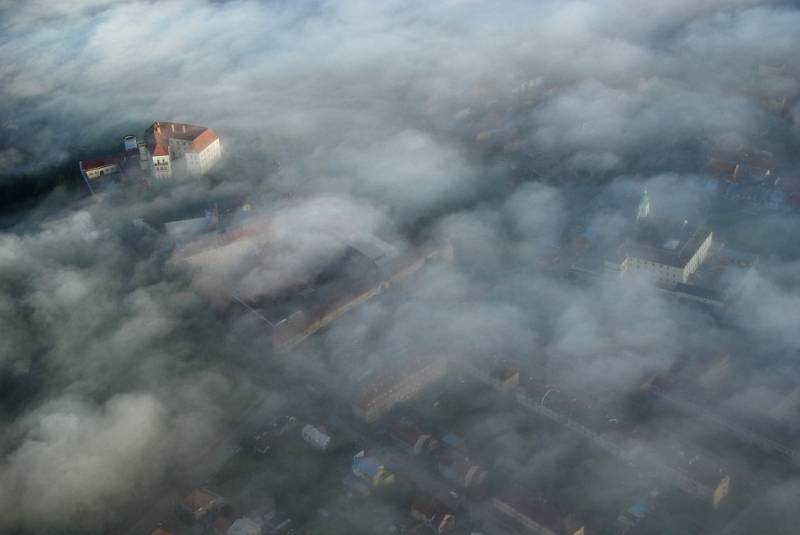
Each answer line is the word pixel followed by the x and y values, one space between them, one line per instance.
pixel 184 128
pixel 158 127
pixel 173 127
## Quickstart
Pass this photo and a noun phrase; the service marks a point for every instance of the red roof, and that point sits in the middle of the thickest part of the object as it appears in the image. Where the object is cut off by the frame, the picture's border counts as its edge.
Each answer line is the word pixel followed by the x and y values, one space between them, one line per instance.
pixel 101 161
pixel 206 138
pixel 159 150
pixel 158 135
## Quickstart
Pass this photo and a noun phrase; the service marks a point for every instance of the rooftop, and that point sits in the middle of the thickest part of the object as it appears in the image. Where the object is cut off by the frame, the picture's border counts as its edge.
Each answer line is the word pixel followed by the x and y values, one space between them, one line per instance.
pixel 666 242
pixel 102 161
pixel 157 137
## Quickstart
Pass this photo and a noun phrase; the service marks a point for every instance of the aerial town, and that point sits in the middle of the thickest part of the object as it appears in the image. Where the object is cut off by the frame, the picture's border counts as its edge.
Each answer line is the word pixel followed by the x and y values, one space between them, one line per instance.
pixel 537 279
pixel 397 447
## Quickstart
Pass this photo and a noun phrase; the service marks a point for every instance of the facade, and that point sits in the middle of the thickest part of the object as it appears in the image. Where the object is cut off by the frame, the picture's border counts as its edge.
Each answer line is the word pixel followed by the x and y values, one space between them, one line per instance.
pixel 670 261
pixel 168 147
pixel 100 167
pixel 98 172
pixel 382 394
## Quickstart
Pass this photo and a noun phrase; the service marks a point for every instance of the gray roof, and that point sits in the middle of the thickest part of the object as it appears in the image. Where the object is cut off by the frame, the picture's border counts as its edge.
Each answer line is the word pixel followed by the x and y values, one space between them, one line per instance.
pixel 666 242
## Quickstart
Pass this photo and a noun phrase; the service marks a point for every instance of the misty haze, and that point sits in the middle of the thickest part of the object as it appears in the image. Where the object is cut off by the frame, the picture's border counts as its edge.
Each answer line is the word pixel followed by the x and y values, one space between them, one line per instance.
pixel 399 267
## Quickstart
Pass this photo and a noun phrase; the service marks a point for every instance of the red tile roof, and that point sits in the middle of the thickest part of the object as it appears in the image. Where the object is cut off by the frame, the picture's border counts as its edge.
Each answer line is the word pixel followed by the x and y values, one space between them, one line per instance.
pixel 206 138
pixel 158 135
pixel 101 161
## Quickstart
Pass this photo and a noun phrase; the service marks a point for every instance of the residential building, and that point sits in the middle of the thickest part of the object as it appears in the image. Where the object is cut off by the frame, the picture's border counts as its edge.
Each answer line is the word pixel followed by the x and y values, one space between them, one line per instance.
pixel 317 437
pixel 371 470
pixel 104 170
pixel 381 394
pixel 199 503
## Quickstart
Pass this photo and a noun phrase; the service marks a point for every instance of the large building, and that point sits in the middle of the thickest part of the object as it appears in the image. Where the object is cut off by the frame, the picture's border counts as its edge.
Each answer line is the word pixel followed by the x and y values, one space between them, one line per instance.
pixel 168 148
pixel 669 251
pixel 171 147
pixel 382 394
pixel 356 267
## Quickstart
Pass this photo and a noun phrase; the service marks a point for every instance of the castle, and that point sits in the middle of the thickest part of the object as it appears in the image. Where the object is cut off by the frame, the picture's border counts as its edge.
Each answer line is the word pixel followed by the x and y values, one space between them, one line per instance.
pixel 167 149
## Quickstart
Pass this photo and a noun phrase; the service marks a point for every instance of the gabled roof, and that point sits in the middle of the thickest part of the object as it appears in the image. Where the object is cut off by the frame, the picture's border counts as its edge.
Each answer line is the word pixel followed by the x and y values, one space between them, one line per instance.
pixel 101 161
pixel 158 135
pixel 206 138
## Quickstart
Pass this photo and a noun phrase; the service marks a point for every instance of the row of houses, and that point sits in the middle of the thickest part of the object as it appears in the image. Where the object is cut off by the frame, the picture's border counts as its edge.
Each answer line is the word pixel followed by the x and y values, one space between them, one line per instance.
pixel 705 387
pixel 692 474
pixel 497 509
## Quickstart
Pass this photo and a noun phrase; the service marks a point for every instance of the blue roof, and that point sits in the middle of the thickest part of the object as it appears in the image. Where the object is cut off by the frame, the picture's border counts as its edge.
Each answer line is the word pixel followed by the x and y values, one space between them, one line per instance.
pixel 640 509
pixel 368 466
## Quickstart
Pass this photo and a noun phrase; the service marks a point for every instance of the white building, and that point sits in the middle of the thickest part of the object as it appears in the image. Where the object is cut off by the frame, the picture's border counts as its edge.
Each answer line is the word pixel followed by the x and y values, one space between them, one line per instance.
pixel 169 147
pixel 667 250
pixel 316 438
pixel 671 262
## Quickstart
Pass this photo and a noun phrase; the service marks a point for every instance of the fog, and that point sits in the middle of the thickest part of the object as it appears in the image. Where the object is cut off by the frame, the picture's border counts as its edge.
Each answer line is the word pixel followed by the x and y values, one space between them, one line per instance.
pixel 507 131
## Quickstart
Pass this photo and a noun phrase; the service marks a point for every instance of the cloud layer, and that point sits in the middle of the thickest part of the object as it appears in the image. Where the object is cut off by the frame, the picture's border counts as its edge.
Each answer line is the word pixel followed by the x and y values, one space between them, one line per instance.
pixel 511 132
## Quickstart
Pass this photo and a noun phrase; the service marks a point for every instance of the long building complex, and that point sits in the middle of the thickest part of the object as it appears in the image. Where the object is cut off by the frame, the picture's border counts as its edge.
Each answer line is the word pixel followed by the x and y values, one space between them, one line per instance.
pixel 381 394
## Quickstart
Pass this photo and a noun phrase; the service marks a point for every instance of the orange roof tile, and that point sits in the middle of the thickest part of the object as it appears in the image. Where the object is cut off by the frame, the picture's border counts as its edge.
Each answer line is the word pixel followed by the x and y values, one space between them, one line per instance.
pixel 158 135
pixel 206 138
pixel 101 161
